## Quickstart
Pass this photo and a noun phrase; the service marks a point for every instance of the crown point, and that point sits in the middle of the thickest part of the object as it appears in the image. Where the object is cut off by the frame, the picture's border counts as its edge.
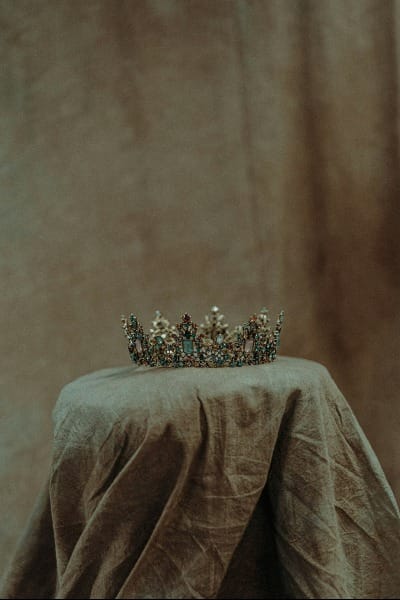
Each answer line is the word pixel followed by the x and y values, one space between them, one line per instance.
pixel 214 309
pixel 186 318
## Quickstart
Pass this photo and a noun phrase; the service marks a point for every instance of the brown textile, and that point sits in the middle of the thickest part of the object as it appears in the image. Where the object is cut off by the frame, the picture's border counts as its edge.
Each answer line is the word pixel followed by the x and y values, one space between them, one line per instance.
pixel 200 483
pixel 175 154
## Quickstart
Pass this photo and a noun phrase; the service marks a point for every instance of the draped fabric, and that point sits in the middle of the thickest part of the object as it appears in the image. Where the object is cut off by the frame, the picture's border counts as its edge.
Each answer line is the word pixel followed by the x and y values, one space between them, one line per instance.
pixel 175 154
pixel 254 482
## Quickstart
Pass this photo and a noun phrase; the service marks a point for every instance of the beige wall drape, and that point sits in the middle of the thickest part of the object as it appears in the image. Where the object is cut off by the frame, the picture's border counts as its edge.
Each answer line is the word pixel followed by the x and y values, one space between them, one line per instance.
pixel 178 154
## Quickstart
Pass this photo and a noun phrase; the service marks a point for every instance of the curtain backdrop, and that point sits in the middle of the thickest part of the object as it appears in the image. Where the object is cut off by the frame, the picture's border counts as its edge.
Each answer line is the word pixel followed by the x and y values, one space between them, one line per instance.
pixel 175 154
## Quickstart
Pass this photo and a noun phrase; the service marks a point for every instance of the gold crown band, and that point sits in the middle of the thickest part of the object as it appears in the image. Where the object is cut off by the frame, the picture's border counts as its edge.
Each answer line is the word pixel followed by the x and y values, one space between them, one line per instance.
pixel 209 345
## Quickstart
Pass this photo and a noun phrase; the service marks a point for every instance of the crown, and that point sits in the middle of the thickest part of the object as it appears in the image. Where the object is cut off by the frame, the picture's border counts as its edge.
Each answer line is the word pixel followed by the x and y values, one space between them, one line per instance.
pixel 210 344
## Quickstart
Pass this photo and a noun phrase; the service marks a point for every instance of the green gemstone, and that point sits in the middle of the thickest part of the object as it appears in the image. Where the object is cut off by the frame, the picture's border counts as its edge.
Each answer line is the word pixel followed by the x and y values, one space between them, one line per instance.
pixel 187 346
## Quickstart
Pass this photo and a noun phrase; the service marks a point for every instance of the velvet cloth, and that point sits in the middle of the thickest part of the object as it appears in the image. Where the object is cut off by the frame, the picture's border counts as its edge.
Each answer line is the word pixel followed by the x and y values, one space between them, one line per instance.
pixel 176 154
pixel 253 482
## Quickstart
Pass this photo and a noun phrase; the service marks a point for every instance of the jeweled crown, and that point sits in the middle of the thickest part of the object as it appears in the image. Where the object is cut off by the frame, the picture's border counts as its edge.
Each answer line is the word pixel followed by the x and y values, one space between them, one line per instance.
pixel 210 344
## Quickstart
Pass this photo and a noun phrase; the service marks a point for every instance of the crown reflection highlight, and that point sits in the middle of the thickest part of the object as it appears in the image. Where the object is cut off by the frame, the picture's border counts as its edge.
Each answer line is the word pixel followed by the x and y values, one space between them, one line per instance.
pixel 210 344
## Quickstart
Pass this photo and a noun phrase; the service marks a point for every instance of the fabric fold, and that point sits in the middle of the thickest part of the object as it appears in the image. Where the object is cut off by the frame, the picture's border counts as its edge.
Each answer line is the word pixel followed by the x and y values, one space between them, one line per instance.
pixel 210 483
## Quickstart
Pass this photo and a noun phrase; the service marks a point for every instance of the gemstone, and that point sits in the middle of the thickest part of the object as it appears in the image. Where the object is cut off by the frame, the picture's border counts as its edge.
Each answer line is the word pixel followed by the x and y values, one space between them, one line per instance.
pixel 248 346
pixel 138 345
pixel 220 338
pixel 187 346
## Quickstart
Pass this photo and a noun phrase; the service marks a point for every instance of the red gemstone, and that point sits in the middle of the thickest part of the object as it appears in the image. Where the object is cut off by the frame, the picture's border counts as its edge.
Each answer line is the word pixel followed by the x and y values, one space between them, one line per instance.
pixel 186 318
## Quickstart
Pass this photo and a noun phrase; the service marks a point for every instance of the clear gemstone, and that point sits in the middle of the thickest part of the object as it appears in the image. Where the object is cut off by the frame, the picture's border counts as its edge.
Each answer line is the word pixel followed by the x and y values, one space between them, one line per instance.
pixel 248 347
pixel 138 345
pixel 220 338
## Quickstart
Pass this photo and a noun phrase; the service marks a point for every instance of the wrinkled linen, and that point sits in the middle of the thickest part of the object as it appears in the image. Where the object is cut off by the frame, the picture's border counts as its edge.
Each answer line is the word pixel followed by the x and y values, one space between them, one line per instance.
pixel 252 482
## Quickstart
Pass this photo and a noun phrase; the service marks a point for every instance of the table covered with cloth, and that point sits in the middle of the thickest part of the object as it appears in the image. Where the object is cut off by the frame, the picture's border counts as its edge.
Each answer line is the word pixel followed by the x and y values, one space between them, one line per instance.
pixel 252 482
